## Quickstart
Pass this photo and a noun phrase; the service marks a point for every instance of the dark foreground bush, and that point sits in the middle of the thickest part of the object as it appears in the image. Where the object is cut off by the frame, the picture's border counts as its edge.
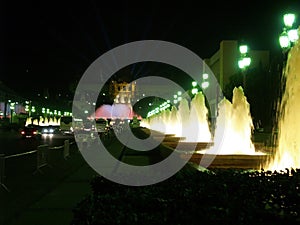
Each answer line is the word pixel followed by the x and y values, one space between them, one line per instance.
pixel 210 197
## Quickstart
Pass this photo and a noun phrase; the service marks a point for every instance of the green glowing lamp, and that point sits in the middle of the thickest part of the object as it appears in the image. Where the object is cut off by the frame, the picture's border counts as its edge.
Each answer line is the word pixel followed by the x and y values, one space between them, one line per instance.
pixel 284 40
pixel 205 84
pixel 194 91
pixel 293 35
pixel 289 19
pixel 243 49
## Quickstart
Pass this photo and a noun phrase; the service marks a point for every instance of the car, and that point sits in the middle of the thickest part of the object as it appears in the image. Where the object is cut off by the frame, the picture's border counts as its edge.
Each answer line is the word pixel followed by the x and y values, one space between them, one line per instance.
pixel 49 129
pixel 30 132
pixel 101 125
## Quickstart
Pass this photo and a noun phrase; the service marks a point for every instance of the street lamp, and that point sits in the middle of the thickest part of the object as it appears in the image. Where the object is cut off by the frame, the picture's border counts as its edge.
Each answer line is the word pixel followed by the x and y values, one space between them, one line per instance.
pixel 244 62
pixel 194 89
pixel 205 82
pixel 289 35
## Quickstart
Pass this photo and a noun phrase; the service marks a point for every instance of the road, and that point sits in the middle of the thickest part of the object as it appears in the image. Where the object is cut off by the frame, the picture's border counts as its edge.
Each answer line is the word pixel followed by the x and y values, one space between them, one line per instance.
pixel 12 143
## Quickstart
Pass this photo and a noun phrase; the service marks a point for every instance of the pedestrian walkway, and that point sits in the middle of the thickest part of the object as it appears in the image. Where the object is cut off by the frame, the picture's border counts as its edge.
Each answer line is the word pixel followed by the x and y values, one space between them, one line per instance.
pixel 56 206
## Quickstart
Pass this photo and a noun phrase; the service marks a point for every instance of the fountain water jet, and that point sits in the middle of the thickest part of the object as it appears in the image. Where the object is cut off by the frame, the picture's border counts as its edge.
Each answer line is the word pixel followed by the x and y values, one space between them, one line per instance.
pixel 234 127
pixel 183 118
pixel 197 125
pixel 287 155
pixel 43 121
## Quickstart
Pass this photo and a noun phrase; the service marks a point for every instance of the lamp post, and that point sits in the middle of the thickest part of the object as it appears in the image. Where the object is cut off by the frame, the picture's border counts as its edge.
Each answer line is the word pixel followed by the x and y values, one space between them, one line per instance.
pixel 289 35
pixel 244 62
pixel 205 82
pixel 194 88
pixel 286 39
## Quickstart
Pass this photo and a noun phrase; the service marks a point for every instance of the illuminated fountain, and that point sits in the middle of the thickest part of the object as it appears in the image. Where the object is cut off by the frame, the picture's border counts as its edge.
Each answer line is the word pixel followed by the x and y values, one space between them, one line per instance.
pixel 174 122
pixel 28 121
pixel 234 127
pixel 196 128
pixel 287 154
pixel 115 111
pixel 43 121
pixel 231 145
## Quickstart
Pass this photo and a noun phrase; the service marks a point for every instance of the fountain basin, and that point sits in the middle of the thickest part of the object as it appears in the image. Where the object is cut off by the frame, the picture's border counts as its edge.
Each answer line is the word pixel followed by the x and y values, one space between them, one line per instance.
pixel 227 161
pixel 187 146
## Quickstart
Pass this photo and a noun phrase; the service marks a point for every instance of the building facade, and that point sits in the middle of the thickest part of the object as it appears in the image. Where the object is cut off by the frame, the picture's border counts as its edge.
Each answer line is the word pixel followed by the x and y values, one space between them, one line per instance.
pixel 222 65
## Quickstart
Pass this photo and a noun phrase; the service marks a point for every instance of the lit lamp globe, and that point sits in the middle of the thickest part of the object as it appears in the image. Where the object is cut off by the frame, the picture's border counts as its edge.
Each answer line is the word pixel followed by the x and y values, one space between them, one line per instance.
pixel 194 89
pixel 288 36
pixel 293 35
pixel 284 40
pixel 244 62
pixel 289 19
pixel 247 61
pixel 243 49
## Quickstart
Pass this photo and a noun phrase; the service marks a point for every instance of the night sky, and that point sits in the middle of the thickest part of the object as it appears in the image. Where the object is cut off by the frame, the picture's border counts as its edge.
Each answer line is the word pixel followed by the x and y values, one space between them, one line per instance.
pixel 51 44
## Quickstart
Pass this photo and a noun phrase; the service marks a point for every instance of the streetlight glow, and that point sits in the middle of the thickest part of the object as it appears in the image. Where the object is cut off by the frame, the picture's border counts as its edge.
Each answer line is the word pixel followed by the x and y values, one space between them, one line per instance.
pixel 284 40
pixel 293 35
pixel 243 49
pixel 194 91
pixel 205 85
pixel 247 61
pixel 289 35
pixel 289 19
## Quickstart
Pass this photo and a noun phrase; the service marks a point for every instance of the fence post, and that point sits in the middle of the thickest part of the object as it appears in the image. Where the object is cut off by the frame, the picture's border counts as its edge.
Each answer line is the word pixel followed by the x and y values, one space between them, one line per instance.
pixel 2 172
pixel 66 149
pixel 42 151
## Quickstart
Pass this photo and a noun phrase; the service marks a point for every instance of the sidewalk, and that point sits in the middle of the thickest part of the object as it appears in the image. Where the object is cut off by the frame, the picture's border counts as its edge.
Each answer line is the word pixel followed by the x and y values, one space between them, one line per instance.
pixel 55 208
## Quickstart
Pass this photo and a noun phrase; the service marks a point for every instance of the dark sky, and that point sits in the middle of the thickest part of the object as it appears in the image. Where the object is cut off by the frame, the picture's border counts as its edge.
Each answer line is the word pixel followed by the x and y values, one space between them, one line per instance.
pixel 51 43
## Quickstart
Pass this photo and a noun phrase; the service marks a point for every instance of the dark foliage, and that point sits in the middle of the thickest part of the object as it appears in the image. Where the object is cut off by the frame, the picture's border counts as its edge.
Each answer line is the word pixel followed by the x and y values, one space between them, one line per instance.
pixel 210 197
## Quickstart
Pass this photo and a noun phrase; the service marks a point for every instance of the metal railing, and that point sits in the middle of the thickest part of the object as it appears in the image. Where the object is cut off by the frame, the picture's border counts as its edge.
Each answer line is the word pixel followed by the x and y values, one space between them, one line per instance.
pixel 41 155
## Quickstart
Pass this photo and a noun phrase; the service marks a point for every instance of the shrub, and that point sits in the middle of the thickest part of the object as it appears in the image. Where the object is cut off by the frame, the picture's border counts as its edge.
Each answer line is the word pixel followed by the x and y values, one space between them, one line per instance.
pixel 207 197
